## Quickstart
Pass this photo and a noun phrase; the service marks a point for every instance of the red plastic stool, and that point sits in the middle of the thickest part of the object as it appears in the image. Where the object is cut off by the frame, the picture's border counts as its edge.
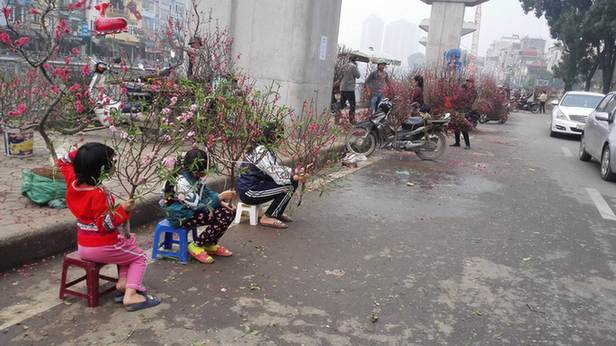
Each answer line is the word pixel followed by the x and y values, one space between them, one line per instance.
pixel 92 276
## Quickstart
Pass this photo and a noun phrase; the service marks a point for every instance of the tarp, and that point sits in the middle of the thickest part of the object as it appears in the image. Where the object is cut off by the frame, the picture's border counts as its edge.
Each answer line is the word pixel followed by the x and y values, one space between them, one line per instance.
pixel 42 190
pixel 374 57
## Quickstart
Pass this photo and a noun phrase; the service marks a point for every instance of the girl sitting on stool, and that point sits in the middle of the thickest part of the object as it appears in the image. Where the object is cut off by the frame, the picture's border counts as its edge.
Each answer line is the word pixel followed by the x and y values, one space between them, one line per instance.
pixel 263 179
pixel 189 203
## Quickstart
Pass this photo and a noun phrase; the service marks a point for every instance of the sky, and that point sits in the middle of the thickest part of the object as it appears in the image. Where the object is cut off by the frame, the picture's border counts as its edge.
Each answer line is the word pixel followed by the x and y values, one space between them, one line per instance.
pixel 499 18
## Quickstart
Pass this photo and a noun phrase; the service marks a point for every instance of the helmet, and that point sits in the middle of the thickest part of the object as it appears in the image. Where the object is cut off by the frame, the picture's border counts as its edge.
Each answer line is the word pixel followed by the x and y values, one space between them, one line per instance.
pixel 385 106
pixel 381 62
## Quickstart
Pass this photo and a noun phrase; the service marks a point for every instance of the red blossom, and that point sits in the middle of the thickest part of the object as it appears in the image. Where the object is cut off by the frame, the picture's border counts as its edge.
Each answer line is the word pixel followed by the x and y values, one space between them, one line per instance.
pixel 5 38
pixel 19 111
pixel 67 60
pixel 6 11
pixel 76 51
pixel 85 71
pixel 22 41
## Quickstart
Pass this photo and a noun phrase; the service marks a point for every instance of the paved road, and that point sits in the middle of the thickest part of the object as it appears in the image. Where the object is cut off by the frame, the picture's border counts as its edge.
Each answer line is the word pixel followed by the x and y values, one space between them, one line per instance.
pixel 504 244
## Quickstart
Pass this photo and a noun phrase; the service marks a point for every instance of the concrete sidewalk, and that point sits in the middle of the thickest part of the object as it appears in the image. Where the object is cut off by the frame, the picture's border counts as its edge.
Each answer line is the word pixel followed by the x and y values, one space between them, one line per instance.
pixel 29 232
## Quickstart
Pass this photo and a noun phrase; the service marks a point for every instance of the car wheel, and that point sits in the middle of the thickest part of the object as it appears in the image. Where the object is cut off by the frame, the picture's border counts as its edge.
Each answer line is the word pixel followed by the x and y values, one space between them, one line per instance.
pixel 606 169
pixel 582 154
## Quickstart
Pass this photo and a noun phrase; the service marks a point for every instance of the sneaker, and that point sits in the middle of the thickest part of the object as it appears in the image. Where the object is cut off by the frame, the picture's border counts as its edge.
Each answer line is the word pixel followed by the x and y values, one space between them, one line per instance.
pixel 468 147
pixel 199 253
pixel 455 145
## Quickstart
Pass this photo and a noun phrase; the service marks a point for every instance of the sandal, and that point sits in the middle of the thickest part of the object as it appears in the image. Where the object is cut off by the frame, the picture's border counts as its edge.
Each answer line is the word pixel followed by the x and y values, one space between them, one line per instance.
pixel 150 301
pixel 199 254
pixel 217 250
pixel 276 224
pixel 118 297
pixel 285 218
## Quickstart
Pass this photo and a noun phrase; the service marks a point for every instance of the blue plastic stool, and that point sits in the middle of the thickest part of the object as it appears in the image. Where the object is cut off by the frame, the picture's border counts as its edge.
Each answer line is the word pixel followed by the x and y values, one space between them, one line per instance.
pixel 164 227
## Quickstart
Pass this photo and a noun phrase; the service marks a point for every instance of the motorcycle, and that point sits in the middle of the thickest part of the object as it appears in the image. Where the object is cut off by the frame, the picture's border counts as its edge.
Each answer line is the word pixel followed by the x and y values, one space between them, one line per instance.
pixel 129 105
pixel 423 135
pixel 527 105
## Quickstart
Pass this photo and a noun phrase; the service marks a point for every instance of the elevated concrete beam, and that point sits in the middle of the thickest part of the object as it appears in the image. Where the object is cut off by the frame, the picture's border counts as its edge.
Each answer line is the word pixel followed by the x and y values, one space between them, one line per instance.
pixel 467 27
pixel 469 3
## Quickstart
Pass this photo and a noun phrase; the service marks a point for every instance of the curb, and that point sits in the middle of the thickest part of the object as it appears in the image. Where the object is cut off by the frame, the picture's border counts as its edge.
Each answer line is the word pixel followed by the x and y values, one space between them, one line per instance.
pixel 60 237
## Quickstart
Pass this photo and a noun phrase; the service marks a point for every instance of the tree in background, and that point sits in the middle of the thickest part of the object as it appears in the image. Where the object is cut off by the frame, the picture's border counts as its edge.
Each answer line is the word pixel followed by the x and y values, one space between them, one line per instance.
pixel 587 31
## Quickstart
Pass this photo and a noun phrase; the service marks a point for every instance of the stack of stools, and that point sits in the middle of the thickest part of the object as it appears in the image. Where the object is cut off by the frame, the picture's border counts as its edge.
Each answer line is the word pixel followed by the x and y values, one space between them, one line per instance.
pixel 166 231
pixel 92 277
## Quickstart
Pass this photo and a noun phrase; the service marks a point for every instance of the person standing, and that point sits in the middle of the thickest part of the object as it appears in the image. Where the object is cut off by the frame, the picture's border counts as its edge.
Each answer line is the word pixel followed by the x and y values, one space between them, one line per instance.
pixel 543 98
pixel 469 95
pixel 347 87
pixel 375 83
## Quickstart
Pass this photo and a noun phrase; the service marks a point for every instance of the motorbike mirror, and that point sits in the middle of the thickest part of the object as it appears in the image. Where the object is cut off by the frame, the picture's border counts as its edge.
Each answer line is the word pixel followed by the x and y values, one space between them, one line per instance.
pixel 554 103
pixel 141 67
pixel 172 54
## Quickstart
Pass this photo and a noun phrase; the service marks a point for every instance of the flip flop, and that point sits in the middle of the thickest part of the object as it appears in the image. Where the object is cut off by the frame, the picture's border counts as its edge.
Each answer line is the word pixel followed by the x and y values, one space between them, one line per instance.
pixel 118 297
pixel 150 301
pixel 285 218
pixel 220 251
pixel 276 224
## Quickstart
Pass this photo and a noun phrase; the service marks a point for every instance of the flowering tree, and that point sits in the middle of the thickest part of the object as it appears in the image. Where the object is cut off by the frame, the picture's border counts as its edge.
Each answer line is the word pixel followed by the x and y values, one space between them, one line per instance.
pixel 22 99
pixel 491 99
pixel 44 22
pixel 237 114
pixel 308 143
pixel 146 148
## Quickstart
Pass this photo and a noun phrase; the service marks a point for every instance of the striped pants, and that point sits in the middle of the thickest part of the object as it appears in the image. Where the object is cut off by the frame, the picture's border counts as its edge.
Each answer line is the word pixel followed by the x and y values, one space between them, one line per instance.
pixel 280 195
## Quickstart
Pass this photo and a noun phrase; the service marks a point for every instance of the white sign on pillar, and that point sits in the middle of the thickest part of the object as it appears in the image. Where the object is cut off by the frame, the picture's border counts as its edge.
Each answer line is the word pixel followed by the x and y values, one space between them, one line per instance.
pixel 323 48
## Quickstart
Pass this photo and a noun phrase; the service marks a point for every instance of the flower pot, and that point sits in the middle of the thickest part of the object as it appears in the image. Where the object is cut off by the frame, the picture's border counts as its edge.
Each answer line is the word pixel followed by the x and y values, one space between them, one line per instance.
pixel 18 142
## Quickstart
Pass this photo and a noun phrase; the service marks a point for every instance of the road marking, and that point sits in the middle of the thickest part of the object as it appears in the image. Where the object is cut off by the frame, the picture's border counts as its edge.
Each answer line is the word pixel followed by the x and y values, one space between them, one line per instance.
pixel 567 152
pixel 604 209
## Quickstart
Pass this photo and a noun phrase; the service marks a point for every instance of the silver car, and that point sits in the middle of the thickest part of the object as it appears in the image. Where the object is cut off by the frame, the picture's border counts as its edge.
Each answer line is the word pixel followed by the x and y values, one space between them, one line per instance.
pixel 599 137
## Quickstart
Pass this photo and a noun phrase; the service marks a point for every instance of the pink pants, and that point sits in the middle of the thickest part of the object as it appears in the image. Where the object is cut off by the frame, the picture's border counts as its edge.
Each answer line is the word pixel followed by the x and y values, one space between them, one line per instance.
pixel 131 260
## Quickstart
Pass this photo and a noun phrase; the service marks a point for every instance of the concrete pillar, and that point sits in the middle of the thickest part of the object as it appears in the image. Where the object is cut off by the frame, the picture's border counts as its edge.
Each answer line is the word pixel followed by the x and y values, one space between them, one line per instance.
pixel 292 42
pixel 446 27
pixel 446 21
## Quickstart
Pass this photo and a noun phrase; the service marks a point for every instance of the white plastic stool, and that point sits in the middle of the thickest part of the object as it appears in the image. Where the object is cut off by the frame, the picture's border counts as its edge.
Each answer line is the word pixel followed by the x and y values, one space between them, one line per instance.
pixel 254 211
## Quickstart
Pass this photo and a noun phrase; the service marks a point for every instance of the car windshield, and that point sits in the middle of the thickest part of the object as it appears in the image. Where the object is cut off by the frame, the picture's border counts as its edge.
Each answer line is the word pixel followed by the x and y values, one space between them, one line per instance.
pixel 582 101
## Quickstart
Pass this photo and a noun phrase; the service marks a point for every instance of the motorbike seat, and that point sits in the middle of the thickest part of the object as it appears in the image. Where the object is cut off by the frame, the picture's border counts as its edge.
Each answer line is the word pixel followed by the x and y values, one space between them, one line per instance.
pixel 414 121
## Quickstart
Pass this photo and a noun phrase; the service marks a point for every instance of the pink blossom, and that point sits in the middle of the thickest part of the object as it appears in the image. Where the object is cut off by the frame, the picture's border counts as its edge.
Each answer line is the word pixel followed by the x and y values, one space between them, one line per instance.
pixel 313 128
pixel 20 110
pixel 113 129
pixel 174 100
pixel 167 138
pixel 22 41
pixel 146 160
pixel 166 111
pixel 123 134
pixel 124 90
pixel 6 11
pixel 5 38
pixel 85 71
pixel 34 11
pixel 193 108
pixel 190 134
pixel 169 162
pixel 67 60
pixel 46 66
pixel 76 87
pixel 61 28
pixel 76 51
pixel 78 106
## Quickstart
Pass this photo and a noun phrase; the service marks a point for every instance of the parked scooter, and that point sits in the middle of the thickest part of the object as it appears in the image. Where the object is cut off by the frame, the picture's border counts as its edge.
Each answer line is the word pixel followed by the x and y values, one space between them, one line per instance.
pixel 423 135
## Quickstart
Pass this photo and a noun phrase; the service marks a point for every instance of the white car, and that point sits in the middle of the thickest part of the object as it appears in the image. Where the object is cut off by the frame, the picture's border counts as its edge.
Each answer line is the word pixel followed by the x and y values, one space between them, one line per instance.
pixel 569 115
pixel 599 138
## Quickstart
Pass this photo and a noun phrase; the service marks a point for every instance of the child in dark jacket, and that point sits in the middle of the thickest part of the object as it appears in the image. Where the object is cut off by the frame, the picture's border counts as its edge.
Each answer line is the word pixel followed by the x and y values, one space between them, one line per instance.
pixel 98 218
pixel 189 203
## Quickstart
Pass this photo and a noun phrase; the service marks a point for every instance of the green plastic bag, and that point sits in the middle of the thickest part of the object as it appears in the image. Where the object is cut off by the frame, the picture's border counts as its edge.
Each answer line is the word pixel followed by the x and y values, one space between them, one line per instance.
pixel 42 190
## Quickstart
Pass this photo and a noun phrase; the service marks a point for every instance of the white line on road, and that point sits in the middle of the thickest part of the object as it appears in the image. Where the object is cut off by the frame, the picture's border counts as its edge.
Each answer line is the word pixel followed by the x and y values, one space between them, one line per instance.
pixel 604 209
pixel 567 152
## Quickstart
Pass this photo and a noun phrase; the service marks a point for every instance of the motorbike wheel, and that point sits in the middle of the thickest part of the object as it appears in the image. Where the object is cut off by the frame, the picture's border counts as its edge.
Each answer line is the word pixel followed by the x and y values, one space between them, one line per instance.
pixel 437 147
pixel 361 141
pixel 483 118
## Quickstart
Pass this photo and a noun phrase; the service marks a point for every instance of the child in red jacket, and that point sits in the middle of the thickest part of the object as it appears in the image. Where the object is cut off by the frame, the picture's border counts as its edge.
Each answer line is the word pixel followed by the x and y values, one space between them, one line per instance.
pixel 98 218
